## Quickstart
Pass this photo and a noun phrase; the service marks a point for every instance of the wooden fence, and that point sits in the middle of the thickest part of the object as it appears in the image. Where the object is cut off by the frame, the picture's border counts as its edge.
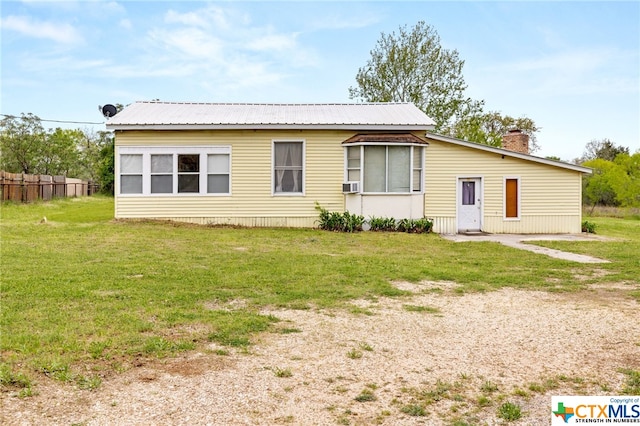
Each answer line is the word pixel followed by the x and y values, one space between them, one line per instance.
pixel 25 188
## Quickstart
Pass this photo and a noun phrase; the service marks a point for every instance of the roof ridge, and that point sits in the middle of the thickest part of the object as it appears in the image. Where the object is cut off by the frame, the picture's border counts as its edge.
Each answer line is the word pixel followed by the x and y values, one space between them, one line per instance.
pixel 273 103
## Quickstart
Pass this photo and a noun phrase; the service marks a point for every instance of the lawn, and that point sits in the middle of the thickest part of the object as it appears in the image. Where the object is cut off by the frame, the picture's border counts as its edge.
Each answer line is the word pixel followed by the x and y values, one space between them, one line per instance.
pixel 83 295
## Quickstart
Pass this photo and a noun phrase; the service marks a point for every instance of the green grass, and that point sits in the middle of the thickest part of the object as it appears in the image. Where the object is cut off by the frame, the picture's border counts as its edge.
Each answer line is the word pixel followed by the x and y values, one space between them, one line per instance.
pixel 81 290
pixel 622 251
pixel 417 308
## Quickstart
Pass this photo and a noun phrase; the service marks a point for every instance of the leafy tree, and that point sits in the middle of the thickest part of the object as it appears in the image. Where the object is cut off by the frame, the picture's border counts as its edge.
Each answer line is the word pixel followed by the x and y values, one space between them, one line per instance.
pixel 106 167
pixel 21 142
pixel 59 154
pixel 613 183
pixel 412 66
pixel 90 152
pixel 604 149
pixel 488 128
pixel 598 189
pixel 628 190
pixel 28 148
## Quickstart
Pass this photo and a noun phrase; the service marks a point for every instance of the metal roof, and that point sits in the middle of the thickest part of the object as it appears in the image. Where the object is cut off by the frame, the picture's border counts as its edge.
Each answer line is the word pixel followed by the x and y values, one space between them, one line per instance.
pixel 157 115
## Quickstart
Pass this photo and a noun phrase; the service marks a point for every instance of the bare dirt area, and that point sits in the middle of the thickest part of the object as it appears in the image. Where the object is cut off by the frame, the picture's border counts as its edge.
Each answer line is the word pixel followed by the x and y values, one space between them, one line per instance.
pixel 452 356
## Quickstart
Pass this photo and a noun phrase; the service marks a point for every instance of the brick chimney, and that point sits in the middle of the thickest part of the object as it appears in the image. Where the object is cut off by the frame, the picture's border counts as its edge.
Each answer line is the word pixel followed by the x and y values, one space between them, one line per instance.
pixel 516 141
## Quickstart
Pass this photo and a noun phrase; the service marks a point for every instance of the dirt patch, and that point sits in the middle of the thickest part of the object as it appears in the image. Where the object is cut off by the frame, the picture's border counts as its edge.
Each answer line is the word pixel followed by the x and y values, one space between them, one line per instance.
pixel 477 351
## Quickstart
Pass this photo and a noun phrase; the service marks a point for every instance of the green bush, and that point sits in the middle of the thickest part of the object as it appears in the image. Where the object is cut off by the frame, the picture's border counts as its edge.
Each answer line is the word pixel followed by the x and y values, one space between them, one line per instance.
pixel 341 222
pixel 382 224
pixel 588 227
pixel 412 226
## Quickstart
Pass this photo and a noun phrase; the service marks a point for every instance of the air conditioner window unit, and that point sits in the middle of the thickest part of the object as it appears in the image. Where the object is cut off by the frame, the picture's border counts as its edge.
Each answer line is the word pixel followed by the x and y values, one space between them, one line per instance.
pixel 350 187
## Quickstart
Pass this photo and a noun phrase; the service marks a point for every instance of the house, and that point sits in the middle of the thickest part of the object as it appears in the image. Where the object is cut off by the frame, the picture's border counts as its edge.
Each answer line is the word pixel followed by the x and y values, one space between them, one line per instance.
pixel 269 164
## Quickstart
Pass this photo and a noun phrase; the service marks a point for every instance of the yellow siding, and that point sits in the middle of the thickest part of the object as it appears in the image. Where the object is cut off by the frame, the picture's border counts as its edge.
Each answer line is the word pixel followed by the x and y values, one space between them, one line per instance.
pixel 251 202
pixel 550 197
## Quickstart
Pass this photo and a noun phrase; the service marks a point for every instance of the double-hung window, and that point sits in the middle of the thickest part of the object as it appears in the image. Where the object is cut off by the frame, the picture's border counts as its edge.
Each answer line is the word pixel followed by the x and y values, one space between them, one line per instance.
pixel 169 170
pixel 386 168
pixel 189 173
pixel 161 173
pixel 288 167
pixel 131 173
pixel 218 173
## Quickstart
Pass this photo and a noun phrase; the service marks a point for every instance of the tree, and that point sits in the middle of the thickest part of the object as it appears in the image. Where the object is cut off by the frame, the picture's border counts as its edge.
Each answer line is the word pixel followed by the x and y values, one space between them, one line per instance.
pixel 613 183
pixel 412 66
pixel 59 154
pixel 106 167
pixel 604 149
pixel 90 153
pixel 628 192
pixel 21 142
pixel 488 128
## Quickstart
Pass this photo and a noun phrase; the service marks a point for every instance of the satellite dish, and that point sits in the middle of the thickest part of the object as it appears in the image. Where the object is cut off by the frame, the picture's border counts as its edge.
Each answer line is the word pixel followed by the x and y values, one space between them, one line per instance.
pixel 109 110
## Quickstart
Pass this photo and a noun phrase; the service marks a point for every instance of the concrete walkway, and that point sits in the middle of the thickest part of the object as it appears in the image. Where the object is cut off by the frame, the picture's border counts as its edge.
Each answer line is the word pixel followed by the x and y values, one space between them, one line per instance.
pixel 519 242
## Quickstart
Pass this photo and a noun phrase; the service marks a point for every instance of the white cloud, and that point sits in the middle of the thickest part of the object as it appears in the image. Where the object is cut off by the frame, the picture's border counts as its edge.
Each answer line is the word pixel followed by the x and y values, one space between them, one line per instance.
pixel 189 42
pixel 273 42
pixel 58 32
pixel 224 48
pixel 570 72
pixel 125 23
pixel 211 17
pixel 338 22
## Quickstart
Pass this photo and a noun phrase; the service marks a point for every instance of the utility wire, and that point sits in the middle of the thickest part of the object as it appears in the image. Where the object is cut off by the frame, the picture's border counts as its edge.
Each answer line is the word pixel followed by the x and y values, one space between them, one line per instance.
pixel 57 121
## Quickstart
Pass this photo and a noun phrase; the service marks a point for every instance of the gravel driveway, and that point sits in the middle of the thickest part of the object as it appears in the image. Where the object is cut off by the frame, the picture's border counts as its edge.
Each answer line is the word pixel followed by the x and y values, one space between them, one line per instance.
pixel 458 356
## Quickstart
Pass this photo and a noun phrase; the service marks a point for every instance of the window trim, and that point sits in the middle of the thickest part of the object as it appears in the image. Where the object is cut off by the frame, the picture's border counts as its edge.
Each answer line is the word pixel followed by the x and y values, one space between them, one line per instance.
pixel 302 192
pixel 147 151
pixel 118 176
pixel 411 170
pixel 518 198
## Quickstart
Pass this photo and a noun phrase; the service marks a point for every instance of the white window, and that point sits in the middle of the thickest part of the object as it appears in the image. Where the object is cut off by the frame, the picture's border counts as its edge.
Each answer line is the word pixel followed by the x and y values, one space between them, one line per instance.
pixel 386 168
pixel 353 164
pixel 288 167
pixel 189 173
pixel 131 174
pixel 162 174
pixel 174 170
pixel 218 173
pixel 417 168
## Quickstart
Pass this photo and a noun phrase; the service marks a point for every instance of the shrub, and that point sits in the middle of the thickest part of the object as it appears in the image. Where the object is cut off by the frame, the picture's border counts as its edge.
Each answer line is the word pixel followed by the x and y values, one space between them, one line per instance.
pixel 341 222
pixel 389 224
pixel 347 222
pixel 588 227
pixel 383 224
pixel 509 411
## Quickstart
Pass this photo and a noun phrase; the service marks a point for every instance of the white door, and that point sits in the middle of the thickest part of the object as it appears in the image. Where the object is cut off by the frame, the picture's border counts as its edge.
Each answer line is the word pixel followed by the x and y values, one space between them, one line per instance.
pixel 469 204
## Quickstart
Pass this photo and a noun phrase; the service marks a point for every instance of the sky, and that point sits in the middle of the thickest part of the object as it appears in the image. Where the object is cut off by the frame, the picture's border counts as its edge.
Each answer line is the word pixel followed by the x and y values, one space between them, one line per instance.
pixel 572 67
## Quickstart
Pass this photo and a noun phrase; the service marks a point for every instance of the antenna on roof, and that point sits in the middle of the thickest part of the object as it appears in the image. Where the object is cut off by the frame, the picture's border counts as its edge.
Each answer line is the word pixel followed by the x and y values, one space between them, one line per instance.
pixel 108 110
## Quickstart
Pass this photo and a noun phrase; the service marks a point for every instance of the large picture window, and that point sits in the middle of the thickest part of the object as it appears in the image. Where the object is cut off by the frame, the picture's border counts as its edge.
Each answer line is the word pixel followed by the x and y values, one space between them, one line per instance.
pixel 288 167
pixel 386 168
pixel 180 170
